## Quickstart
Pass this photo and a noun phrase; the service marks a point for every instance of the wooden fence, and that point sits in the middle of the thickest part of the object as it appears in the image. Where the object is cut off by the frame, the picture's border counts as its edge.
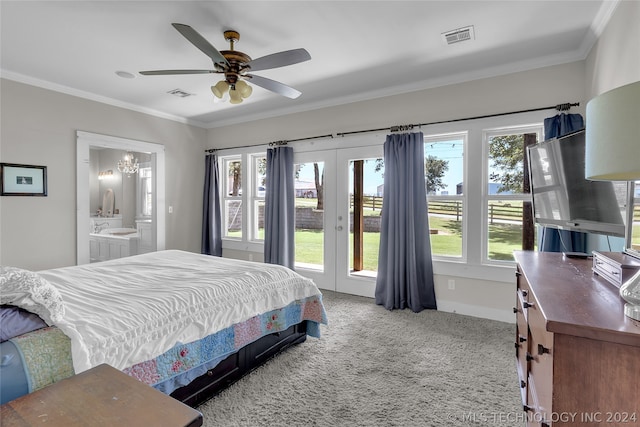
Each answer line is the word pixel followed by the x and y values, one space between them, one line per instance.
pixel 506 211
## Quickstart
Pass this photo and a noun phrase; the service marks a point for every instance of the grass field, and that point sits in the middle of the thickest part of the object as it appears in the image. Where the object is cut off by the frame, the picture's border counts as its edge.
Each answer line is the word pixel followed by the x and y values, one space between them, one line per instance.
pixel 504 238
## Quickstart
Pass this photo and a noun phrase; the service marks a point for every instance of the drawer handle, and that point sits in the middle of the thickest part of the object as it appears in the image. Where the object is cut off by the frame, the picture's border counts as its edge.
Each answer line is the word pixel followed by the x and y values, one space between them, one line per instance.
pixel 515 310
pixel 530 357
pixel 521 338
pixel 526 408
pixel 522 384
pixel 542 349
pixel 525 293
pixel 527 304
pixel 518 274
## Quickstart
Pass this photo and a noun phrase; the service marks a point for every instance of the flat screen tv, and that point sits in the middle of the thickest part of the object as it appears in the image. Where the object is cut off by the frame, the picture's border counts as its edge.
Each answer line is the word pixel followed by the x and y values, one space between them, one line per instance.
pixel 564 199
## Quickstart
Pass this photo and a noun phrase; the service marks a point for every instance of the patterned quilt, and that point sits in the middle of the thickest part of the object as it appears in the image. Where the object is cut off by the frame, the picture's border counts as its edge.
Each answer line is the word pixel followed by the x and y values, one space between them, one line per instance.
pixel 47 352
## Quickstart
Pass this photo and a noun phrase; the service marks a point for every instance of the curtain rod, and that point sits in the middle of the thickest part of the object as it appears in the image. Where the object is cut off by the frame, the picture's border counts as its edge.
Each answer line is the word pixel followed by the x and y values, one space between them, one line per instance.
pixel 271 144
pixel 559 107
pixel 401 128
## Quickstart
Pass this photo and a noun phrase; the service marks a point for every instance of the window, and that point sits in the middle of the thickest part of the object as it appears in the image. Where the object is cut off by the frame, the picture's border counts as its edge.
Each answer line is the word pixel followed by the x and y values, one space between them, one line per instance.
pixel 444 175
pixel 634 229
pixel 243 183
pixel 144 202
pixel 479 208
pixel 231 180
pixel 507 202
pixel 258 191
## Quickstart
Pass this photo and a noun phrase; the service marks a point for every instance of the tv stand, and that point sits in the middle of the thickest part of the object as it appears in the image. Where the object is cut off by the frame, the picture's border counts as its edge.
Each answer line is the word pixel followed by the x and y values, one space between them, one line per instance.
pixel 577 354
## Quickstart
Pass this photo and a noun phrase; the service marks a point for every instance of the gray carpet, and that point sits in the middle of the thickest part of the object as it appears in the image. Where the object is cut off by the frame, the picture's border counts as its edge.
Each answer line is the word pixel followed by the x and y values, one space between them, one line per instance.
pixel 374 367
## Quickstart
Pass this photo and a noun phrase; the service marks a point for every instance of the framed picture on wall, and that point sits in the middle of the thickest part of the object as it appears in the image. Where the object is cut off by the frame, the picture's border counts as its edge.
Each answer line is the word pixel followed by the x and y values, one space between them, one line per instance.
pixel 23 180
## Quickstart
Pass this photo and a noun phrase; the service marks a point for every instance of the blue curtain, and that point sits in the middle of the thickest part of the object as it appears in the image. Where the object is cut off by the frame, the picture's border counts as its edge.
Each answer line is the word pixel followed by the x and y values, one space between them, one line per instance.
pixel 211 213
pixel 279 214
pixel 405 270
pixel 562 124
pixel 554 240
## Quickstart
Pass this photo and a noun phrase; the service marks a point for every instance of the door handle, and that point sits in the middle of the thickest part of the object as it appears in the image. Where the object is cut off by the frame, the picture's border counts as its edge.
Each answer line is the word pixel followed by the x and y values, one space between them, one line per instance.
pixel 339 228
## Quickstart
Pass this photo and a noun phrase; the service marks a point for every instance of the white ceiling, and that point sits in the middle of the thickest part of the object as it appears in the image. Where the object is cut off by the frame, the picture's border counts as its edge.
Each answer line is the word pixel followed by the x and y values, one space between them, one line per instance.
pixel 359 49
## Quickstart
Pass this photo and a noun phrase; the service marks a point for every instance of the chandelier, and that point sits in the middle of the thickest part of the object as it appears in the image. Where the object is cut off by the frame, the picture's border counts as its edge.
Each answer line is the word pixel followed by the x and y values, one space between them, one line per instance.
pixel 129 165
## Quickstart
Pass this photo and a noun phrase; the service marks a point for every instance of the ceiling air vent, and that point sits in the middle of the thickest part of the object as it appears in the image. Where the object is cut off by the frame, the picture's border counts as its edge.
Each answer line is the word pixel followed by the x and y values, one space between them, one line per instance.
pixel 180 93
pixel 459 35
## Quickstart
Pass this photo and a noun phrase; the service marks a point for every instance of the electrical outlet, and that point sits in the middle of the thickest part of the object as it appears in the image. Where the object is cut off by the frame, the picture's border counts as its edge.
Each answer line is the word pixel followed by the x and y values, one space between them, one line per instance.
pixel 452 284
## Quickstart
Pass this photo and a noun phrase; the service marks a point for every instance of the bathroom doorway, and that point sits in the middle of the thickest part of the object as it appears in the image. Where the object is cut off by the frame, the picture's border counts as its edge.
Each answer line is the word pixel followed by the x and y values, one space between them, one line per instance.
pixel 97 157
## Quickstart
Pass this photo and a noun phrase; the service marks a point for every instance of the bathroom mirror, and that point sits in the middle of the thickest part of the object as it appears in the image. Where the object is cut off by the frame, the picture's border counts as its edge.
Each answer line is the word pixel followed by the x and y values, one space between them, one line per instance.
pixel 97 172
pixel 108 203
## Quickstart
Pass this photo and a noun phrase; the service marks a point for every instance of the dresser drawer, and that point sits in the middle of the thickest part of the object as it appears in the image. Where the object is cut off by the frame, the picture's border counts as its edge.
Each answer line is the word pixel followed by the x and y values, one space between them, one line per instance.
pixel 522 348
pixel 523 293
pixel 540 358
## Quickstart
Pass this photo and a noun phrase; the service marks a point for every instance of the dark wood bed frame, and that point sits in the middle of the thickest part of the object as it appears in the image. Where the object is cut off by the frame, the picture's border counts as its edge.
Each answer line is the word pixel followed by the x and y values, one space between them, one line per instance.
pixel 239 364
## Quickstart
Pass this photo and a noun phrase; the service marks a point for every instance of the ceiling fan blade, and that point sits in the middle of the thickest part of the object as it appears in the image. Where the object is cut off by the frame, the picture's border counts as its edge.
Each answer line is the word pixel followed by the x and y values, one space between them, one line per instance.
pixel 201 43
pixel 280 59
pixel 274 86
pixel 170 72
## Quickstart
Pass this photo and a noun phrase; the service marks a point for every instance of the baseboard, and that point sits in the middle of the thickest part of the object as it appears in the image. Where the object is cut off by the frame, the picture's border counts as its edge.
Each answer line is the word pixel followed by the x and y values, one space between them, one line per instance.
pixel 476 311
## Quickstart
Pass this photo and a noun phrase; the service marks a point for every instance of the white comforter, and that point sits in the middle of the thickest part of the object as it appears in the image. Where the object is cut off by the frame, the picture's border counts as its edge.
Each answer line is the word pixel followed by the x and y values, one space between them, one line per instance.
pixel 130 310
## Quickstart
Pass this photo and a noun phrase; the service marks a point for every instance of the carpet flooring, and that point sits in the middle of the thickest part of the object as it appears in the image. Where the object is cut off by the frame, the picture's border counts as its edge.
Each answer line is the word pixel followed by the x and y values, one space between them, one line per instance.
pixel 374 367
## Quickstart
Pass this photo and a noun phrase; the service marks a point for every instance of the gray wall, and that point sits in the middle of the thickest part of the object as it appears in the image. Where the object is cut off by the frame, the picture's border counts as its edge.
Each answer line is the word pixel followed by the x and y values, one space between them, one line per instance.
pixel 39 127
pixel 614 61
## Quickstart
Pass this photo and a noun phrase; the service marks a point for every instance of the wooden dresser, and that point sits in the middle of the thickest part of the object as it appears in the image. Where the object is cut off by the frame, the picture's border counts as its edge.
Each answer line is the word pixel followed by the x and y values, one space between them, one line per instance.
pixel 578 356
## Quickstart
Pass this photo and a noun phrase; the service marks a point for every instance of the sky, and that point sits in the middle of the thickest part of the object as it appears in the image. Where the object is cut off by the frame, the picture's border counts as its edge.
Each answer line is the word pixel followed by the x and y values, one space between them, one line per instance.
pixel 451 151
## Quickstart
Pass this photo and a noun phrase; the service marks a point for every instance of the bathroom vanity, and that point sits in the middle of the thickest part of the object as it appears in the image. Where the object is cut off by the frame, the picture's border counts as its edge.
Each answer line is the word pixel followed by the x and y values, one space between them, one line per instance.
pixel 99 223
pixel 113 243
pixel 109 240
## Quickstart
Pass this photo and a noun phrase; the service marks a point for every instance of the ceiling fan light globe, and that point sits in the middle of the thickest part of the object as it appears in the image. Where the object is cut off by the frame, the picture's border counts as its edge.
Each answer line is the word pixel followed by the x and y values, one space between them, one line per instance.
pixel 244 89
pixel 220 88
pixel 236 98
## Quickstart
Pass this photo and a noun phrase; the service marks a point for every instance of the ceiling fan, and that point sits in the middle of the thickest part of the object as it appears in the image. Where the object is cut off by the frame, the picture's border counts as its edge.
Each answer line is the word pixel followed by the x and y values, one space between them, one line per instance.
pixel 236 65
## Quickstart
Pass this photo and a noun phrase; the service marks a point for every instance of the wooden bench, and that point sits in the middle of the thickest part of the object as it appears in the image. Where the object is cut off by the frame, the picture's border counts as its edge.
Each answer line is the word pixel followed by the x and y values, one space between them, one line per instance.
pixel 102 396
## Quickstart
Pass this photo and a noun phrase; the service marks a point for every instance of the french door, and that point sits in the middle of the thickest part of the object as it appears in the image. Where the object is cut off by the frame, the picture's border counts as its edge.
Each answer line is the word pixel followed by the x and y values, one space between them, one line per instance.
pixel 339 195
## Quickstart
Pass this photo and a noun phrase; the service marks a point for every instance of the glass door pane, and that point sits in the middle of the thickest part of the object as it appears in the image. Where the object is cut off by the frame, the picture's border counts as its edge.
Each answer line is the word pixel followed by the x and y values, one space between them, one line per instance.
pixel 366 186
pixel 315 228
pixel 309 207
pixel 359 192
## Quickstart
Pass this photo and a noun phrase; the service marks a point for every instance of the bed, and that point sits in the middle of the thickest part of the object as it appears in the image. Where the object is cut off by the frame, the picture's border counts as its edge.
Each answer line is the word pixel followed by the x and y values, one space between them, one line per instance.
pixel 187 324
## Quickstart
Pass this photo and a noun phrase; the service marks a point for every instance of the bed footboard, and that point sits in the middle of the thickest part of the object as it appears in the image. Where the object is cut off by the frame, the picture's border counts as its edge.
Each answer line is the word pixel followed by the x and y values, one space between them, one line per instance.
pixel 239 364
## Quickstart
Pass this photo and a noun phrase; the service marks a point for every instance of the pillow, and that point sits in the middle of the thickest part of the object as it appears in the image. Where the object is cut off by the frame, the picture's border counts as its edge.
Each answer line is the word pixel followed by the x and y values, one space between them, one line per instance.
pixel 15 321
pixel 27 290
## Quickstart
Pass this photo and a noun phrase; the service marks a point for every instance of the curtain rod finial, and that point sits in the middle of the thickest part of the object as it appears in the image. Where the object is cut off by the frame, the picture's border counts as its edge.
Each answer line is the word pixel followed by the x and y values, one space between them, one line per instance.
pixel 278 143
pixel 401 128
